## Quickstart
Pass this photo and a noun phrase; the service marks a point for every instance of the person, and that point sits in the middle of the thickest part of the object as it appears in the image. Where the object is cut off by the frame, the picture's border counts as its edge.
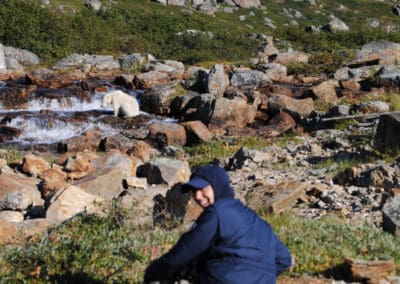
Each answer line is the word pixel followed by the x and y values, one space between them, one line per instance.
pixel 228 242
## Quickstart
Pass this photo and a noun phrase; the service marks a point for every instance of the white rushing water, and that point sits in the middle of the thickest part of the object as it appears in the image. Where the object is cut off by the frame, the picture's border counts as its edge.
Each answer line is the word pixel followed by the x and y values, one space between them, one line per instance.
pixel 65 104
pixel 40 129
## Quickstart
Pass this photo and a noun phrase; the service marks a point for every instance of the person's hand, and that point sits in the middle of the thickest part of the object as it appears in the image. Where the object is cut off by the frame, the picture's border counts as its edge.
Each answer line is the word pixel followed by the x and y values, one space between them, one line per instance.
pixel 156 271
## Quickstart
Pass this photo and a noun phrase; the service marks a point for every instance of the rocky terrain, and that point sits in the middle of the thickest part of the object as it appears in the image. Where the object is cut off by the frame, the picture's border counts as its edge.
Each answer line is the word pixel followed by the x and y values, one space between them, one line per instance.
pixel 143 161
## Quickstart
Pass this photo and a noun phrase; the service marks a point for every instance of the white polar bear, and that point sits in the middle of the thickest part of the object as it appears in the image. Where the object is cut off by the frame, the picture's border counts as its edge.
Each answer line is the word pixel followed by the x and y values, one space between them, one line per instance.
pixel 122 103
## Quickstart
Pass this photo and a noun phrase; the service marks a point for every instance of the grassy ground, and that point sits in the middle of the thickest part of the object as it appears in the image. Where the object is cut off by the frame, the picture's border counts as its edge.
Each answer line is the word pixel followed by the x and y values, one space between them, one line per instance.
pixel 112 249
pixel 148 27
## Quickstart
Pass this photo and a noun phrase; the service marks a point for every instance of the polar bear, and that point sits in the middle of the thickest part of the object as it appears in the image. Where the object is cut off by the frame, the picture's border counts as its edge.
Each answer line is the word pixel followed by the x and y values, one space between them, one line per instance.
pixel 123 104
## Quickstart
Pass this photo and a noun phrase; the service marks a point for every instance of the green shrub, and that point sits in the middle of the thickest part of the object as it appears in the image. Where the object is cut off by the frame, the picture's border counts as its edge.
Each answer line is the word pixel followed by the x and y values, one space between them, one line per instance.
pixel 112 249
pixel 320 245
pixel 87 249
pixel 11 154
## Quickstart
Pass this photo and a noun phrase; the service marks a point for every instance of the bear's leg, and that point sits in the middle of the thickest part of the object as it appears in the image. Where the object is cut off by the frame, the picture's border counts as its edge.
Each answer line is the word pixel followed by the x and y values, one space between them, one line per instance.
pixel 116 107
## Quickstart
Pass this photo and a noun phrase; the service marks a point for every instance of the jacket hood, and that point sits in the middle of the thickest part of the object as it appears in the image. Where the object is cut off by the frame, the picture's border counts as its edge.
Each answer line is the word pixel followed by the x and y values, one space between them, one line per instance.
pixel 216 177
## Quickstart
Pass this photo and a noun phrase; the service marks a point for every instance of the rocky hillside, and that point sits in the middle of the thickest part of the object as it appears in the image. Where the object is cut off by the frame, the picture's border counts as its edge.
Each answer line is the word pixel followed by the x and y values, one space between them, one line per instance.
pixel 327 167
pixel 313 145
pixel 197 32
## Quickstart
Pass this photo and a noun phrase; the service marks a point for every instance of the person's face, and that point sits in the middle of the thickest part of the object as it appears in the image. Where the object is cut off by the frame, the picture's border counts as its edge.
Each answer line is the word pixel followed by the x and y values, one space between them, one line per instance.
pixel 204 196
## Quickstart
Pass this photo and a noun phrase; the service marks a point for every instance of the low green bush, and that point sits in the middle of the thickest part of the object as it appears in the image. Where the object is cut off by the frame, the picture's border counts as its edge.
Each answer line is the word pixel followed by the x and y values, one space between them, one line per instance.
pixel 113 249
pixel 320 245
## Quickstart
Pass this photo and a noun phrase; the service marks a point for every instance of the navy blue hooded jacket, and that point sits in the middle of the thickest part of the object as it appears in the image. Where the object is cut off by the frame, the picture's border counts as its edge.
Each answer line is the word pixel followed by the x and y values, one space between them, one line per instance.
pixel 229 242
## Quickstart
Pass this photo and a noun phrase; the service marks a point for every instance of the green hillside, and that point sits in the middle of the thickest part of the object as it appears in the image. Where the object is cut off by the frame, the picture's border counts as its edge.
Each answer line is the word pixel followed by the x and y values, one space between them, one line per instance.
pixel 66 27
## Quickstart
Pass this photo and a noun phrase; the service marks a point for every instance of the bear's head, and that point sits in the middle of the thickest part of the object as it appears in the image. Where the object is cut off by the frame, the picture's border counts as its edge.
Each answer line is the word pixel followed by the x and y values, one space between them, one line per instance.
pixel 107 99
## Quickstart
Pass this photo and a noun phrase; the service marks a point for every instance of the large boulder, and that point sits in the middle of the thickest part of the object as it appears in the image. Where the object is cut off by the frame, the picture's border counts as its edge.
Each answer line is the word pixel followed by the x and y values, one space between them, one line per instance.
pixel 387 137
pixel 297 108
pixel 217 80
pixel 18 192
pixel 229 112
pixel 71 202
pixel 391 216
pixel 247 77
pixel 108 177
pixel 164 171
pixel 158 99
pixel 151 79
pixel 163 134
pixel 199 107
pixel 276 198
pixel 384 51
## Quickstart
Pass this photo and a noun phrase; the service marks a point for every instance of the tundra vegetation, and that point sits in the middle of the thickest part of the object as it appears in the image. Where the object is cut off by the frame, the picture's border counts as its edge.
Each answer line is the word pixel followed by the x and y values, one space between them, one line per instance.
pixel 112 248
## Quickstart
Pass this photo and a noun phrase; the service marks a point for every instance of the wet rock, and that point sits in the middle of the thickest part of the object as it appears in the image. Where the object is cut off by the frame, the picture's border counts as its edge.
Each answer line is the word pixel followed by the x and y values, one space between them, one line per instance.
pixel 89 140
pixel 46 78
pixel 8 133
pixel 15 97
pixel 118 141
pixel 125 80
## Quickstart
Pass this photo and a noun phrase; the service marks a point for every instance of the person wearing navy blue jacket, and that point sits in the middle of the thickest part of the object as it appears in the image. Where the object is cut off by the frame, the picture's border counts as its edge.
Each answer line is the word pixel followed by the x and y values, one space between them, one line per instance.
pixel 228 242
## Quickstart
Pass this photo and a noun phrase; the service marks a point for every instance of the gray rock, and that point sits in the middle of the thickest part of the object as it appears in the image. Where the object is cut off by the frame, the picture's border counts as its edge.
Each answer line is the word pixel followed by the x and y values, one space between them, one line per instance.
pixel 165 171
pixel 337 25
pixel 391 215
pixel 217 80
pixel 11 216
pixel 247 77
pixel 23 57
pixel 387 138
pixel 70 202
pixel 3 66
pixel 94 5
pixel 131 62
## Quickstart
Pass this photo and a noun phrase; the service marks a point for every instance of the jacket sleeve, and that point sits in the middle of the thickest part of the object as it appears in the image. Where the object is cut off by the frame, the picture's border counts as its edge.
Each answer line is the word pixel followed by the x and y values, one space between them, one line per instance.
pixel 189 247
pixel 283 259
